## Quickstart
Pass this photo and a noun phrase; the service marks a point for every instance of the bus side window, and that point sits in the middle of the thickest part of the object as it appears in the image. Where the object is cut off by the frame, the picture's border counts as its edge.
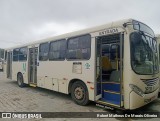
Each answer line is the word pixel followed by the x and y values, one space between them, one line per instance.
pixel 15 54
pixel 57 50
pixel 23 54
pixel 79 47
pixel 43 51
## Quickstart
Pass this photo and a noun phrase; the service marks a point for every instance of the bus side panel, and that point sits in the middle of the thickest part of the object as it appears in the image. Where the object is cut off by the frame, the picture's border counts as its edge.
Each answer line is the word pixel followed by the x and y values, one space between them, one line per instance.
pixel 22 68
pixel 49 73
pixel 137 101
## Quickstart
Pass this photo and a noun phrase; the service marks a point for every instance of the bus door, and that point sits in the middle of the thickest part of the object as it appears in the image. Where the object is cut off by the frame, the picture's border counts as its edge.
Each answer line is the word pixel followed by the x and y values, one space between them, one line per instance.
pixel 109 69
pixel 33 65
pixel 9 65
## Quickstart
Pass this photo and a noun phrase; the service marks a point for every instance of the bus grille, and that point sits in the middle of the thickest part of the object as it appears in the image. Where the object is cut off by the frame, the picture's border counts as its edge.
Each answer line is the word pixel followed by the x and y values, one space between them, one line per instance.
pixel 151 82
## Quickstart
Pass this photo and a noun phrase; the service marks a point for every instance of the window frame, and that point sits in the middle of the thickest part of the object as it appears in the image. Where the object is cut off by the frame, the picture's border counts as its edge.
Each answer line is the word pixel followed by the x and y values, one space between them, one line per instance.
pixel 68 49
pixel 39 51
pixel 23 54
pixel 16 55
pixel 53 51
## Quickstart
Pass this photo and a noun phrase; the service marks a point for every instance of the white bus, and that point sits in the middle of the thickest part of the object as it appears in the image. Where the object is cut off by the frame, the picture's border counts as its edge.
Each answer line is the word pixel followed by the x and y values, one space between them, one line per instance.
pixel 158 44
pixel 114 64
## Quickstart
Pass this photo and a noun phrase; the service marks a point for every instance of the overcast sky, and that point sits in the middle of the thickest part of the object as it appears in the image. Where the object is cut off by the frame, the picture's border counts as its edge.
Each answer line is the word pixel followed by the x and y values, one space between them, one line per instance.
pixel 23 21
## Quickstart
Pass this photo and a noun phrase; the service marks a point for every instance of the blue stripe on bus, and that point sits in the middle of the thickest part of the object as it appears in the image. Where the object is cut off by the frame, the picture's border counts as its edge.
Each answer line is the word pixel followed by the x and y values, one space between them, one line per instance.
pixel 111 87
pixel 112 98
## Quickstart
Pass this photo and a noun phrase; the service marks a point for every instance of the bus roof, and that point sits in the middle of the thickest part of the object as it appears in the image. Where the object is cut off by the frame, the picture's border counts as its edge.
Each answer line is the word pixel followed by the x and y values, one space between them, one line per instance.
pixel 76 33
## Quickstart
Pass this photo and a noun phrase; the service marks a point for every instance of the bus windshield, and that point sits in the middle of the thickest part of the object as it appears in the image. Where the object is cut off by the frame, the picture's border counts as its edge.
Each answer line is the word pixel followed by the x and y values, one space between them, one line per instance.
pixel 144 57
pixel 142 27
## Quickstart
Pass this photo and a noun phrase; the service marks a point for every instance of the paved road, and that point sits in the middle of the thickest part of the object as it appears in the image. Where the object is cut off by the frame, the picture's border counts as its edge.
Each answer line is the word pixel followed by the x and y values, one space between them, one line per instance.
pixel 30 99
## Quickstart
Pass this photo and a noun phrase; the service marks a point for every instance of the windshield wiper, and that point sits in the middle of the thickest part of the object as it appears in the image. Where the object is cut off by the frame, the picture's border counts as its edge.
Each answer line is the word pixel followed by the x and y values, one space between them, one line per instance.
pixel 149 49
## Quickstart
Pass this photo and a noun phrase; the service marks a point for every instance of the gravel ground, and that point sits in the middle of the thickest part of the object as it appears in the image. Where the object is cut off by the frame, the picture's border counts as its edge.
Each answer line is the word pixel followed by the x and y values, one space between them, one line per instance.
pixel 30 99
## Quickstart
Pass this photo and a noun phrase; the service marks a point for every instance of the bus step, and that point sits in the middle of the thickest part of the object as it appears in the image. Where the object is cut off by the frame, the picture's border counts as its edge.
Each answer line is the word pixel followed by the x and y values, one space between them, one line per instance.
pixel 113 92
pixel 115 87
pixel 112 97
pixel 33 85
pixel 107 102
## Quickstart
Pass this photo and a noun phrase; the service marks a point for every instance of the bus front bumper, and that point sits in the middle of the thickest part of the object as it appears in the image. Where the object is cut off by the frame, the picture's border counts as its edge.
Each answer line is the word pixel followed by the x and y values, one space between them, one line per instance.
pixel 137 101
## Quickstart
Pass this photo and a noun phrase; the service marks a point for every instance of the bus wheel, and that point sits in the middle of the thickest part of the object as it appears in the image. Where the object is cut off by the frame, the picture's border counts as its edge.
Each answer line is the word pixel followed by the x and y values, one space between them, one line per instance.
pixel 20 80
pixel 79 93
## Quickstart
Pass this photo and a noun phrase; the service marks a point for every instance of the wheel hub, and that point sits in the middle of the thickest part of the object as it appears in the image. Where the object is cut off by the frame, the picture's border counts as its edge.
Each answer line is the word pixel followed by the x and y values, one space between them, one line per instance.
pixel 79 92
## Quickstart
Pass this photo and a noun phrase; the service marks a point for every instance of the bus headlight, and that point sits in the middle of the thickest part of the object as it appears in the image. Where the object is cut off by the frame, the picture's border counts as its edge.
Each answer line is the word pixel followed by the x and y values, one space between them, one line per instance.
pixel 137 90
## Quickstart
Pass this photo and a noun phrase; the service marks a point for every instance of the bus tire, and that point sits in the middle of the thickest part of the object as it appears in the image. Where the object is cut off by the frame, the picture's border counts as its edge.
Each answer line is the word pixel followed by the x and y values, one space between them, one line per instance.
pixel 20 80
pixel 79 93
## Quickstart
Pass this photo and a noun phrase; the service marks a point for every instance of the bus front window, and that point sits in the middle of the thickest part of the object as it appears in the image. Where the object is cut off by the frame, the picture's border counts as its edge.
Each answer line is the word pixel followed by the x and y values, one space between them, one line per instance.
pixel 144 58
